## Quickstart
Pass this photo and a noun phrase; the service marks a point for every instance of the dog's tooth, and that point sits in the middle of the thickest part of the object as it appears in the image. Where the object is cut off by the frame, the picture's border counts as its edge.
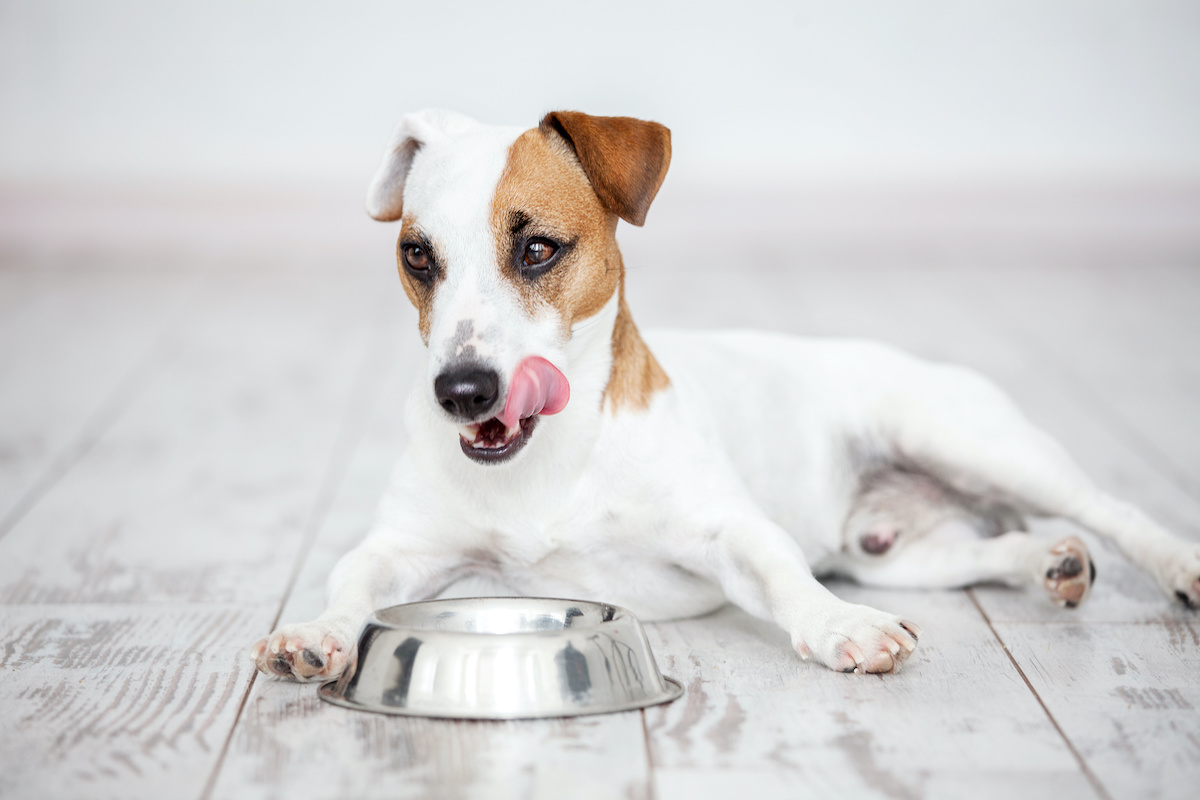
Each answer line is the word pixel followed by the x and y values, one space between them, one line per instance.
pixel 510 433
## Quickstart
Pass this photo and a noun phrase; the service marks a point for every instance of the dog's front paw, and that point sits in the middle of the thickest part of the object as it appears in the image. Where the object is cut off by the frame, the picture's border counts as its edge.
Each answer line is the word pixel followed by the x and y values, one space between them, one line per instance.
pixel 1180 576
pixel 1068 572
pixel 860 639
pixel 309 651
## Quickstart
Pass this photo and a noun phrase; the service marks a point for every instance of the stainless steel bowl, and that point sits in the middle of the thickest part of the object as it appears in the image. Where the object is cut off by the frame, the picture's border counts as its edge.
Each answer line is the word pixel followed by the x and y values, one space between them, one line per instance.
pixel 502 658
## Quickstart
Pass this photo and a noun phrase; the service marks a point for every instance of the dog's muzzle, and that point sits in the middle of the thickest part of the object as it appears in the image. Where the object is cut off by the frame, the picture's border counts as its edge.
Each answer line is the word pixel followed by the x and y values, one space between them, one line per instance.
pixel 537 387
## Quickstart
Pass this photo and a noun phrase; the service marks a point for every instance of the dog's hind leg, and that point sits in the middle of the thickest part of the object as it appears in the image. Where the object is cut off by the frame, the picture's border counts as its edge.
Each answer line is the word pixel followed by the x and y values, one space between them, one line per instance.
pixel 959 427
pixel 954 556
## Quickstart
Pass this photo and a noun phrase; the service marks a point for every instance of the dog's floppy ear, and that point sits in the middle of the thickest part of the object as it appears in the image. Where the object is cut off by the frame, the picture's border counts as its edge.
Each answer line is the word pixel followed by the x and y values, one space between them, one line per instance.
pixel 625 159
pixel 385 196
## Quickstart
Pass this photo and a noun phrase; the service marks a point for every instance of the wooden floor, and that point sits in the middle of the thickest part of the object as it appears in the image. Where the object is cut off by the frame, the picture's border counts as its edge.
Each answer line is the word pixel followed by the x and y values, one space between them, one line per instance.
pixel 187 447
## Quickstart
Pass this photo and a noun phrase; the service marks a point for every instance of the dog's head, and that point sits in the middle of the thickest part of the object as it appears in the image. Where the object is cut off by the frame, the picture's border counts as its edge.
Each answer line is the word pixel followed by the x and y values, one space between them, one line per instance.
pixel 507 248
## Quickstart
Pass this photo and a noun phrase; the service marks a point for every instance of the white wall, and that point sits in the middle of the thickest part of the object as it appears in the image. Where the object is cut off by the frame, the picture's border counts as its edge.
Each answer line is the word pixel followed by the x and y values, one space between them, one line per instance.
pixel 293 92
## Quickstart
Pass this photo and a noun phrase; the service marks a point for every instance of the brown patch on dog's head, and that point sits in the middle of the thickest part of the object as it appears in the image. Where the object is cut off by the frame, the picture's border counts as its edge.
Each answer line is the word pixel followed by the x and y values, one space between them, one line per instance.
pixel 625 159
pixel 564 187
pixel 544 197
pixel 418 285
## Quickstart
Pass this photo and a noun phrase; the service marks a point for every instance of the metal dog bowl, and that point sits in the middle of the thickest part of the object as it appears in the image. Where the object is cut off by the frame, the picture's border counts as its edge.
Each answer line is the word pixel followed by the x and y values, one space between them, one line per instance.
pixel 502 658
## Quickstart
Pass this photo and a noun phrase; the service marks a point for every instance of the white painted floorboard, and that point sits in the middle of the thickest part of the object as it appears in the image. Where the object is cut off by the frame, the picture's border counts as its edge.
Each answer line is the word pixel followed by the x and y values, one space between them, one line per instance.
pixel 189 451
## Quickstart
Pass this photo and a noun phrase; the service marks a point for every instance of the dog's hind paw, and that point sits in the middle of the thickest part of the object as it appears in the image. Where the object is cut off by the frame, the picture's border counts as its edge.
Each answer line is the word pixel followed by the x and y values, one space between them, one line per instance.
pixel 1180 579
pixel 860 639
pixel 305 652
pixel 1068 572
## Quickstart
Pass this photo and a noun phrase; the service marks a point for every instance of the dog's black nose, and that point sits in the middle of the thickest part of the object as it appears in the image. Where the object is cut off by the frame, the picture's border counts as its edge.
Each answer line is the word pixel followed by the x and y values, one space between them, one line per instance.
pixel 467 393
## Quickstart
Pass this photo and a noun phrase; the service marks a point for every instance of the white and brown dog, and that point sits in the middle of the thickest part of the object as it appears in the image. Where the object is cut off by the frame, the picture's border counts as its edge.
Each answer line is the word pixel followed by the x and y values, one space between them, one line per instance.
pixel 554 446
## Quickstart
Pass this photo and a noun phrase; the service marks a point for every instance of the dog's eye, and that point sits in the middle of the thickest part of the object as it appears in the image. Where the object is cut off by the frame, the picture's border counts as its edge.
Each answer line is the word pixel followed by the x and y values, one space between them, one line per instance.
pixel 538 252
pixel 416 257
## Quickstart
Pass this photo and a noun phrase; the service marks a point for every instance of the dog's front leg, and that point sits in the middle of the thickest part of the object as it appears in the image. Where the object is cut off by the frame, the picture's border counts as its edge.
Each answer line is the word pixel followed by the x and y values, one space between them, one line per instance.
pixel 386 569
pixel 763 570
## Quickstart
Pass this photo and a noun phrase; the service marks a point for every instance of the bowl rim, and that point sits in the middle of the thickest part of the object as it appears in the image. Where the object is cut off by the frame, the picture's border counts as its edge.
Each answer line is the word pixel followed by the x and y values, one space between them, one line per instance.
pixel 620 614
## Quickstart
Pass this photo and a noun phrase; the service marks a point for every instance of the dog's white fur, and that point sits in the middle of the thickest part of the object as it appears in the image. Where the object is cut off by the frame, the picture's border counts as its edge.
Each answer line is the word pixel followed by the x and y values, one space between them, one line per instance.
pixel 766 459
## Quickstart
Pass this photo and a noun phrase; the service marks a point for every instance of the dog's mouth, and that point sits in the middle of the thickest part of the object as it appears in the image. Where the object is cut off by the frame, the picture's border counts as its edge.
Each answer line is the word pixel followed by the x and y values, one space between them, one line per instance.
pixel 536 387
pixel 492 442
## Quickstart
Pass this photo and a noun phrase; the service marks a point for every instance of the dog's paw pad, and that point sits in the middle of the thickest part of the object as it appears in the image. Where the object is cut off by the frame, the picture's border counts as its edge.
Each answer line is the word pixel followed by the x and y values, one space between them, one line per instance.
pixel 313 658
pixel 1181 577
pixel 1068 572
pixel 307 652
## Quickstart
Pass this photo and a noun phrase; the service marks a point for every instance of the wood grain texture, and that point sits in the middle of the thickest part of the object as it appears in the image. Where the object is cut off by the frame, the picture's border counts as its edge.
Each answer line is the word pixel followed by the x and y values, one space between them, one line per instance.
pixel 289 742
pixel 199 495
pixel 757 717
pixel 1127 696
pixel 117 701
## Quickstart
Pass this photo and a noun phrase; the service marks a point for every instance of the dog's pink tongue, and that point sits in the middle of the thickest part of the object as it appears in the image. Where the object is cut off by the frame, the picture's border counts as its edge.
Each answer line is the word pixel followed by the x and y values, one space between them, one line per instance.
pixel 537 387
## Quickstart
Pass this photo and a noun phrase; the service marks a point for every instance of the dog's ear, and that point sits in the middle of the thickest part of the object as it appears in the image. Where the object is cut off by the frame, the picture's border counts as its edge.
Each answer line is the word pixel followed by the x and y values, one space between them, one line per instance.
pixel 385 196
pixel 625 159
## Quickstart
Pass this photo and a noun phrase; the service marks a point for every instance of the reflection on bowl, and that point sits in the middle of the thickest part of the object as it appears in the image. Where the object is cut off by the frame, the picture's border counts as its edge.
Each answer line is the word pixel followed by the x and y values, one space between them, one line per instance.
pixel 502 658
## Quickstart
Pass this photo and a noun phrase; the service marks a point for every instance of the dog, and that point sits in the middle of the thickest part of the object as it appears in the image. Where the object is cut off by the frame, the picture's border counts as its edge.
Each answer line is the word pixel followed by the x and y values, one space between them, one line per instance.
pixel 556 447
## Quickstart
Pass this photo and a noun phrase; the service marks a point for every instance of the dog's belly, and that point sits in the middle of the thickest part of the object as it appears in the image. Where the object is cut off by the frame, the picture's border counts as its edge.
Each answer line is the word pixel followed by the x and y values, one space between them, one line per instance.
pixel 787 413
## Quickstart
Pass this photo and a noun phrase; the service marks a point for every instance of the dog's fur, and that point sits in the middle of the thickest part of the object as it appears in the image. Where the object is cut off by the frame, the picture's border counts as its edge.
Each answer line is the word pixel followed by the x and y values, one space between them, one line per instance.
pixel 686 469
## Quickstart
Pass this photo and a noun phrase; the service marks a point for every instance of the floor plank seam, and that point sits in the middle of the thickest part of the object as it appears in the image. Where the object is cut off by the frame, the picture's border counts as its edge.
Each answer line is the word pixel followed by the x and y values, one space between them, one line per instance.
pixel 651 789
pixel 1083 765
pixel 365 393
pixel 210 785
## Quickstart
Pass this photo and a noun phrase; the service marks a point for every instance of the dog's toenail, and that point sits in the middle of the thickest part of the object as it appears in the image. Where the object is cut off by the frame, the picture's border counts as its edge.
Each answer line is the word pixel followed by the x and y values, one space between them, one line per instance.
pixel 1092 571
